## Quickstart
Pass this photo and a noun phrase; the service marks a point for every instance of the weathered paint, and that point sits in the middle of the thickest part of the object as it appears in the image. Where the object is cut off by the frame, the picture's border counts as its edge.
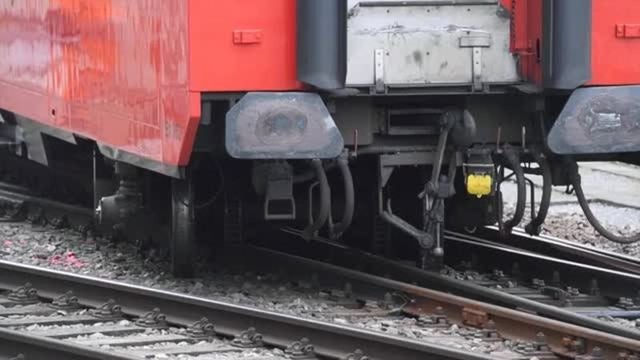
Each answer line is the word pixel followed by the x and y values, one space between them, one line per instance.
pixel 220 63
pixel 129 73
pixel 526 37
pixel 111 70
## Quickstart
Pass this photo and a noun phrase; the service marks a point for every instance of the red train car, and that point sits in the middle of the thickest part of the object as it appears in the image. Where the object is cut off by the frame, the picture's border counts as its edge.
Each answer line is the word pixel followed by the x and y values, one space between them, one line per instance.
pixel 258 100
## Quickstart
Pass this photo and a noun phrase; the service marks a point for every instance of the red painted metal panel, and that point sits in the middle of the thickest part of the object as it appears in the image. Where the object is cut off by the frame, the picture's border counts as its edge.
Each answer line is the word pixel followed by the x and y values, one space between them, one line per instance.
pixel 614 58
pixel 239 45
pixel 526 37
pixel 112 70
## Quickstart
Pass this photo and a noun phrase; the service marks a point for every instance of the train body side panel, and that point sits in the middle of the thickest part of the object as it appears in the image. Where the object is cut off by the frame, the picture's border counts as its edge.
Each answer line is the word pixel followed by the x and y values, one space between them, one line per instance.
pixel 615 42
pixel 243 45
pixel 112 70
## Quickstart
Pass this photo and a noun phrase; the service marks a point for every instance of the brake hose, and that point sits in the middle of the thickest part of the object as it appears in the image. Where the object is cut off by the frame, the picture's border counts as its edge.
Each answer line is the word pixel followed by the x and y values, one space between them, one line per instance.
pixel 576 182
pixel 533 227
pixel 513 161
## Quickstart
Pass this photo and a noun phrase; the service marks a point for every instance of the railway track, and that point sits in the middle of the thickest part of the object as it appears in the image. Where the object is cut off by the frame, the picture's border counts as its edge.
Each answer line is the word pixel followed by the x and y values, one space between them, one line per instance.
pixel 543 337
pixel 575 287
pixel 18 203
pixel 596 298
pixel 571 328
pixel 567 250
pixel 31 326
pixel 123 329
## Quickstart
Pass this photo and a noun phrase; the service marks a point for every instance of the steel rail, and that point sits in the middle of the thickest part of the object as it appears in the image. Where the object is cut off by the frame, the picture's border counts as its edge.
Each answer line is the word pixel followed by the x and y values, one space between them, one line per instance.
pixel 330 340
pixel 614 283
pixel 558 248
pixel 380 266
pixel 19 193
pixel 14 343
pixel 511 323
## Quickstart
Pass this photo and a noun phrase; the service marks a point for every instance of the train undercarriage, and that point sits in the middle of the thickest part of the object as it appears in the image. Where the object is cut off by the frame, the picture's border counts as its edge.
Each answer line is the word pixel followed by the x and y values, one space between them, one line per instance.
pixel 404 173
pixel 369 123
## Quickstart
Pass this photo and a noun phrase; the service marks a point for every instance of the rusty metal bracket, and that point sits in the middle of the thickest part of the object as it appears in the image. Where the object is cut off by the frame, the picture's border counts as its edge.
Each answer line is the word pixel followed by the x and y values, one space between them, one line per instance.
pixel 437 320
pixel 356 355
pixel 202 329
pixel 108 311
pixel 301 350
pixel 249 338
pixel 153 319
pixel 66 301
pixel 24 295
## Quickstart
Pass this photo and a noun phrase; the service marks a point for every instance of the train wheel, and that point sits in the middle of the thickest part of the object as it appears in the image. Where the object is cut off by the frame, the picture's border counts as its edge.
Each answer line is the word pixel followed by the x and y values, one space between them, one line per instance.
pixel 182 227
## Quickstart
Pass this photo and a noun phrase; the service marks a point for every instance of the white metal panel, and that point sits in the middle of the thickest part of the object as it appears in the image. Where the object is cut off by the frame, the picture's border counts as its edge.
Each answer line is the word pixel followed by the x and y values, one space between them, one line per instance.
pixel 429 43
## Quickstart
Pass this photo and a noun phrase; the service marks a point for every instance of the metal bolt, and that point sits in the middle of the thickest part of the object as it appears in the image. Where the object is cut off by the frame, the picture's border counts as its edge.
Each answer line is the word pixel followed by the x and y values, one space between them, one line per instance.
pixel 622 356
pixel 555 279
pixel 515 270
pixel 538 283
pixel 301 349
pixel 153 319
pixel 356 355
pixel 580 346
pixel 25 294
pixel 489 332
pixel 202 329
pixel 109 310
pixel 474 261
pixel 596 353
pixel 65 301
pixel 388 297
pixel 388 301
pixel 594 289
pixel 625 303
pixel 541 342
pixel 573 291
pixel 248 339
pixel 348 290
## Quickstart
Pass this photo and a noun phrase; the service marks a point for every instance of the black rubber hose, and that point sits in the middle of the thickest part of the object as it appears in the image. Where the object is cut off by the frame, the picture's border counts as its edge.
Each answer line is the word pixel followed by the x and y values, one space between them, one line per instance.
pixel 311 174
pixel 582 200
pixel 349 198
pixel 534 226
pixel 513 161
pixel 325 201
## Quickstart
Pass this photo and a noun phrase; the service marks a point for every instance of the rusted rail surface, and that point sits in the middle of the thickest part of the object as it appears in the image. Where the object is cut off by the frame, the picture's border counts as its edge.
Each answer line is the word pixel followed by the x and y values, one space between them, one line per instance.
pixel 564 339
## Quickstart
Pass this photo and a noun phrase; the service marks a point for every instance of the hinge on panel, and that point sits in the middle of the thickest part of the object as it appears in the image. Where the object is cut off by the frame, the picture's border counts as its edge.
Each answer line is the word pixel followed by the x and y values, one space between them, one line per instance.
pixel 476 41
pixel 378 70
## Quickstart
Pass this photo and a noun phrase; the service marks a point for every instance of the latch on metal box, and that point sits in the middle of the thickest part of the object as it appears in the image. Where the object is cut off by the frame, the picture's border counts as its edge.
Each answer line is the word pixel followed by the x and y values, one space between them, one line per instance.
pixel 476 41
